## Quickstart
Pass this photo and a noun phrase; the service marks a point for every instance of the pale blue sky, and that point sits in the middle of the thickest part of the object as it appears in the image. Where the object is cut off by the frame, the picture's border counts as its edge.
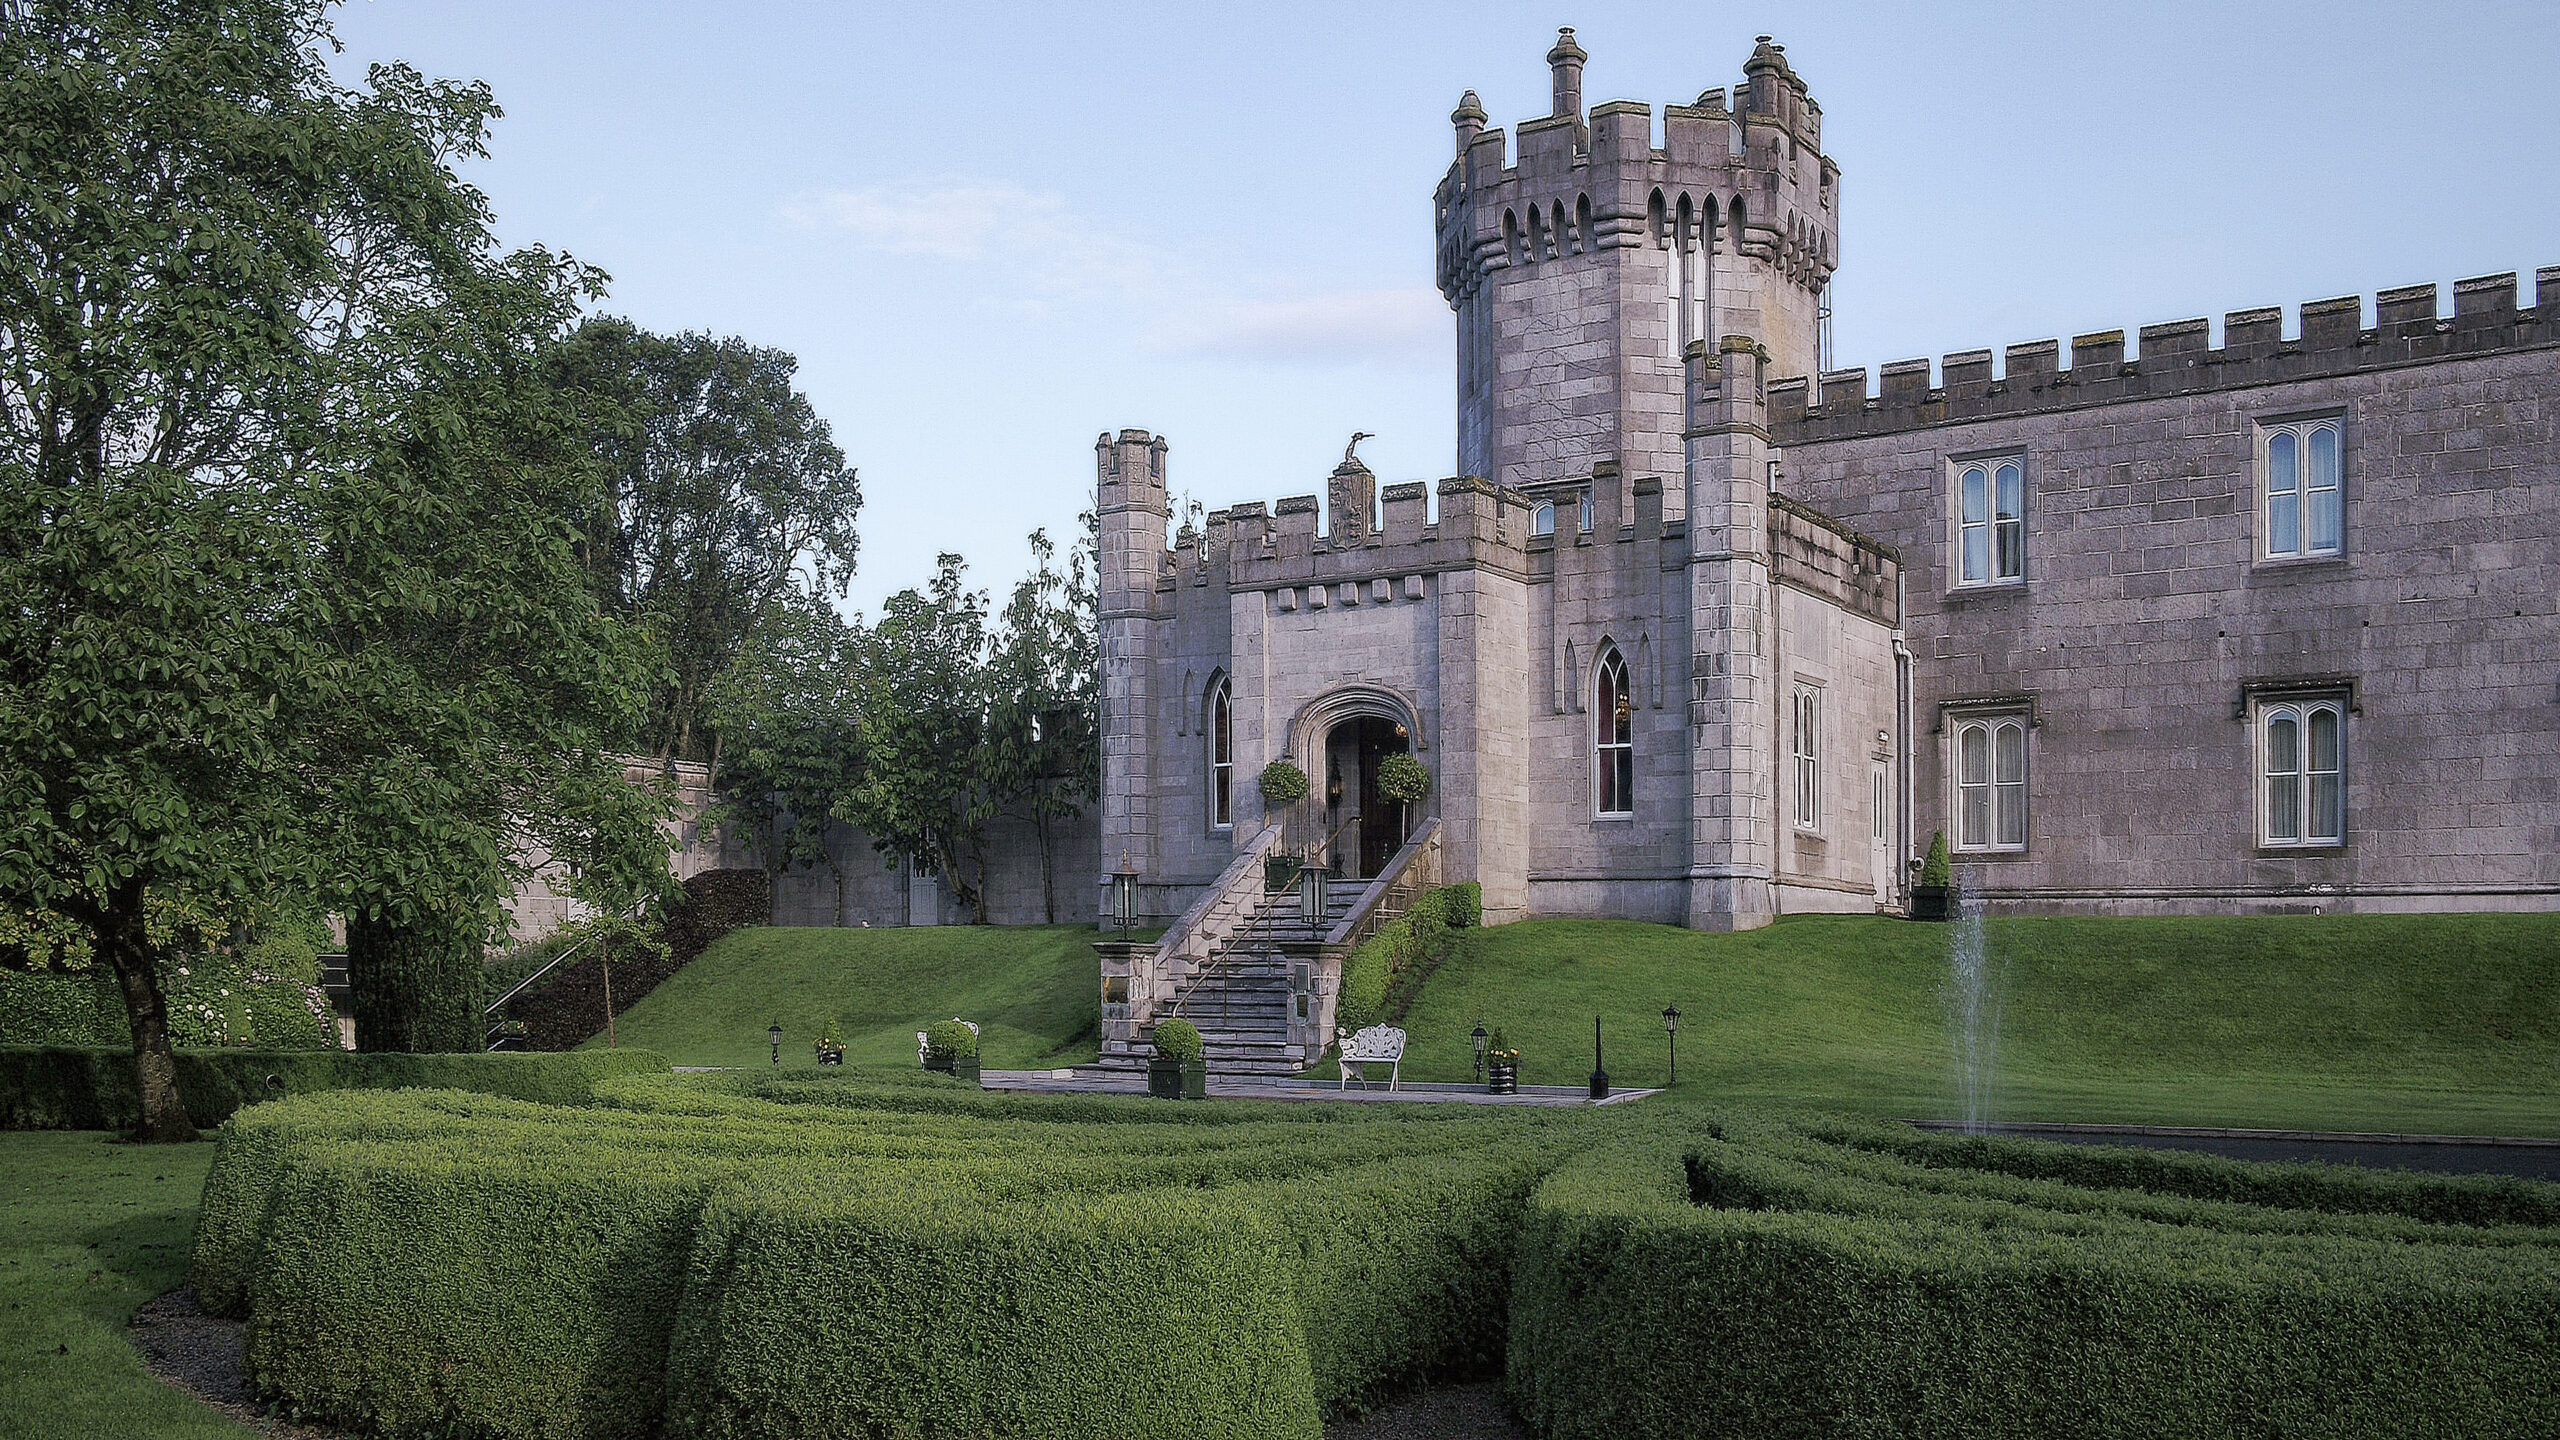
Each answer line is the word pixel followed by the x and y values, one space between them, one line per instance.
pixel 991 232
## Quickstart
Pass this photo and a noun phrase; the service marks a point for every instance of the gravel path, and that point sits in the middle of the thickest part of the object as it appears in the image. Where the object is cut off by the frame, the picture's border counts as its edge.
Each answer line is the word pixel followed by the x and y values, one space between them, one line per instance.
pixel 1452 1412
pixel 201 1354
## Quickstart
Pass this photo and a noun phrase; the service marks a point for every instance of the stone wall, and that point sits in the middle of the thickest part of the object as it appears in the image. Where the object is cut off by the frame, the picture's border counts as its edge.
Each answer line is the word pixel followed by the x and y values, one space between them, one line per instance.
pixel 2147 620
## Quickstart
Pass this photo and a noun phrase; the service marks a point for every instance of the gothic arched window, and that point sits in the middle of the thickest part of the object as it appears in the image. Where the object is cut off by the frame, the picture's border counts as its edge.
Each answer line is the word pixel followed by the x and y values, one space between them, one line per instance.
pixel 1613 725
pixel 1222 755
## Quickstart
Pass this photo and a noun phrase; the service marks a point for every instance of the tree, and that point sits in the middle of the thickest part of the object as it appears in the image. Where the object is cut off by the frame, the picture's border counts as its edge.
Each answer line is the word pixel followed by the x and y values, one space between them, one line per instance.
pixel 727 493
pixel 252 327
pixel 925 713
pixel 1044 748
pixel 791 735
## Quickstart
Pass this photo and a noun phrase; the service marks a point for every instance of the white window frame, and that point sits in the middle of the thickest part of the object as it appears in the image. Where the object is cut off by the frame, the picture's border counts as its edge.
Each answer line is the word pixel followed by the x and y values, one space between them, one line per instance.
pixel 1804 744
pixel 2289 517
pixel 2001 791
pixel 1612 734
pixel 1222 755
pixel 1542 521
pixel 2291 787
pixel 2000 531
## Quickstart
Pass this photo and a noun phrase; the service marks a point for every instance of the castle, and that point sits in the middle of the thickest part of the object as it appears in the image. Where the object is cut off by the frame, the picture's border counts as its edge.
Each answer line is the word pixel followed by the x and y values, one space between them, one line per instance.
pixel 1700 633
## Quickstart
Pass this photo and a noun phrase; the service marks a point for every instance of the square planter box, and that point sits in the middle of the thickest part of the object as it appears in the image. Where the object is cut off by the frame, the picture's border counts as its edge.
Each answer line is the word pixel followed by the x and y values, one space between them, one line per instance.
pixel 1178 1079
pixel 830 1057
pixel 1501 1078
pixel 1933 902
pixel 958 1067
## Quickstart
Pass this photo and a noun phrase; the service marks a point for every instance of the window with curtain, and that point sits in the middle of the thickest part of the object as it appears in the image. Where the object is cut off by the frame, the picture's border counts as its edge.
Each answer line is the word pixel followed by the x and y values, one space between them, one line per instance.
pixel 1991 783
pixel 1807 743
pixel 1991 522
pixel 2302 763
pixel 2301 515
pixel 1222 756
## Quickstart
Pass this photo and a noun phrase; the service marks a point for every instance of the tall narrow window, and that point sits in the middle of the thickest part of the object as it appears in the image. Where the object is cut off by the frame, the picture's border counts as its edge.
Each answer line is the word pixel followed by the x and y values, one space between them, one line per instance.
pixel 2302 514
pixel 1613 726
pixel 1585 514
pixel 1222 757
pixel 1543 520
pixel 1991 783
pixel 1991 522
pixel 2302 764
pixel 1808 757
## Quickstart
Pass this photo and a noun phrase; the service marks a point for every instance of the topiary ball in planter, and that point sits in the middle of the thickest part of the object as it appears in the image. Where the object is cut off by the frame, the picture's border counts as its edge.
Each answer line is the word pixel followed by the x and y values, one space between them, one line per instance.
pixel 1178 1070
pixel 1283 783
pixel 951 1048
pixel 1402 779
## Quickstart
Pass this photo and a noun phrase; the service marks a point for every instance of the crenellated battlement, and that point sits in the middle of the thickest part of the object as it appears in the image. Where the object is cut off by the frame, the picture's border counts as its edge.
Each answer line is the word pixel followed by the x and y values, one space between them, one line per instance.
pixel 1748 178
pixel 2176 358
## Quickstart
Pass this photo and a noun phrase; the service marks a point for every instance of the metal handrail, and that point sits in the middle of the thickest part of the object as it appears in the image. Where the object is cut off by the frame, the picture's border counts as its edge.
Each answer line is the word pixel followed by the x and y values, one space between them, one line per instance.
pixel 494 1006
pixel 1316 856
pixel 1385 884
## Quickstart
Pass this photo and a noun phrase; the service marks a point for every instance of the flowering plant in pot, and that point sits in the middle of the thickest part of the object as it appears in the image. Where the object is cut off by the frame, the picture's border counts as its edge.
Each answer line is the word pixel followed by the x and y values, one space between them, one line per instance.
pixel 951 1047
pixel 1178 1070
pixel 1501 1065
pixel 830 1044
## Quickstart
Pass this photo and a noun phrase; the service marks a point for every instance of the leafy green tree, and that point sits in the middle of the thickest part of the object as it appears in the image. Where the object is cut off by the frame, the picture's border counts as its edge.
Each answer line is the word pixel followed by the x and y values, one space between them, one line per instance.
pixel 728 493
pixel 254 339
pixel 792 741
pixel 925 707
pixel 1044 726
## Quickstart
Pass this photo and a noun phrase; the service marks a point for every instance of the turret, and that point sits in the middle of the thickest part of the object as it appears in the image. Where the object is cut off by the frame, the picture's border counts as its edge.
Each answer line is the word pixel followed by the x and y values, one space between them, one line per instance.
pixel 1582 267
pixel 1129 502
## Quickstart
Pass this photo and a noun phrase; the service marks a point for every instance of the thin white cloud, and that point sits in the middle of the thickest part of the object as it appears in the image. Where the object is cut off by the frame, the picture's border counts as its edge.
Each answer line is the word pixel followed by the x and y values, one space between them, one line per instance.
pixel 1034 251
pixel 1377 326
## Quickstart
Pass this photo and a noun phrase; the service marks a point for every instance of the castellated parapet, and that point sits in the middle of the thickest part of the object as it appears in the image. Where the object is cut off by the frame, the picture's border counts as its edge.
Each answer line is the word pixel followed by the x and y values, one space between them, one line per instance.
pixel 1582 266
pixel 2176 358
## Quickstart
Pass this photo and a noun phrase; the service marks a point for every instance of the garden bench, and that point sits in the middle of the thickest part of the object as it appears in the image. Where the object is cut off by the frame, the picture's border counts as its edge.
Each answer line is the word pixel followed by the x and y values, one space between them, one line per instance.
pixel 1377 1045
pixel 923 1049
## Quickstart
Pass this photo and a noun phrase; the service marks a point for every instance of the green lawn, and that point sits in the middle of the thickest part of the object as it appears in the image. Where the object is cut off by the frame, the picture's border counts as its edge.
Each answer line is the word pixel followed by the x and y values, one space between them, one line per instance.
pixel 2443 1023
pixel 92 1229
pixel 1032 989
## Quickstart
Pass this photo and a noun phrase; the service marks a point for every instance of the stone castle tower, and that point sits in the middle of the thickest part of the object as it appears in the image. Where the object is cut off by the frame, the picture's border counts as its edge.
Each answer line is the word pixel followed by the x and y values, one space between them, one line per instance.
pixel 1583 270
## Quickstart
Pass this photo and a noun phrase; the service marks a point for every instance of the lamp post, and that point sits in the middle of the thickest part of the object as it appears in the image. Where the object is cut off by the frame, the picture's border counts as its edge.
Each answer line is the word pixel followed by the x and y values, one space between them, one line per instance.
pixel 775 1035
pixel 1599 1077
pixel 1480 1037
pixel 1124 897
pixel 1671 1027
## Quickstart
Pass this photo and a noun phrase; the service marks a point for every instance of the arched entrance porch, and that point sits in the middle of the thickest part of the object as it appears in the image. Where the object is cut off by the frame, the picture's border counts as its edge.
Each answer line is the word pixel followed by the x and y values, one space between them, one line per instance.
pixel 1342 739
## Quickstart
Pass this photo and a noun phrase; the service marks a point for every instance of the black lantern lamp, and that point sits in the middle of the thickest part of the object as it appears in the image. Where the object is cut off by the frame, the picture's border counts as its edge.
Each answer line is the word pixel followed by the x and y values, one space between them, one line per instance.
pixel 775 1035
pixel 1124 897
pixel 1599 1077
pixel 1671 1027
pixel 1311 886
pixel 1480 1037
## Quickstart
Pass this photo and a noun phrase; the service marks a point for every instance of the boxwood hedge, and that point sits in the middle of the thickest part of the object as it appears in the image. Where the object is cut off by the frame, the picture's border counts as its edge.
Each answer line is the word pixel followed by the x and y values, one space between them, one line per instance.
pixel 890 1253
pixel 1836 1279
pixel 72 1088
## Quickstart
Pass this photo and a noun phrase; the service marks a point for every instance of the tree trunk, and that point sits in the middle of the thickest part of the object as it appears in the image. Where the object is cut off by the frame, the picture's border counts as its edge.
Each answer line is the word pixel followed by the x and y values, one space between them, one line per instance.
pixel 127 948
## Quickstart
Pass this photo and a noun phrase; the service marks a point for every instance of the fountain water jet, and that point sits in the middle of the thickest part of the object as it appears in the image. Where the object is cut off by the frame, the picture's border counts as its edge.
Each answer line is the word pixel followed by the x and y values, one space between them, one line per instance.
pixel 1973 1010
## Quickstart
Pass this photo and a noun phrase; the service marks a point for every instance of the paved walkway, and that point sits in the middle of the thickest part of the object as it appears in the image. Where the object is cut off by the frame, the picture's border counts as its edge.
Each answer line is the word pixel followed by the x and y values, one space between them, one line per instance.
pixel 1085 1080
pixel 2445 1154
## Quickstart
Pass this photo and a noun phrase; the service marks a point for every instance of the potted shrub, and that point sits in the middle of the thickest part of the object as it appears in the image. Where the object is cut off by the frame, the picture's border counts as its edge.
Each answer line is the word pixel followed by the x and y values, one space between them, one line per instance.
pixel 1933 897
pixel 1501 1065
pixel 951 1047
pixel 1177 1070
pixel 830 1044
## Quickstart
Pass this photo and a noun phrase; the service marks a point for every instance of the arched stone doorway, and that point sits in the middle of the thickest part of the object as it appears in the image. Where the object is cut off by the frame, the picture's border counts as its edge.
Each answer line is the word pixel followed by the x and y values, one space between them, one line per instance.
pixel 1342 739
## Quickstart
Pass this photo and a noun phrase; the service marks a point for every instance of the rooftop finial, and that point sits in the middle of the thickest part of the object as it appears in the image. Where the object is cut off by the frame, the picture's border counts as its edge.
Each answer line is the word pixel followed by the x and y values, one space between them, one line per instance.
pixel 1350 459
pixel 1469 118
pixel 1566 61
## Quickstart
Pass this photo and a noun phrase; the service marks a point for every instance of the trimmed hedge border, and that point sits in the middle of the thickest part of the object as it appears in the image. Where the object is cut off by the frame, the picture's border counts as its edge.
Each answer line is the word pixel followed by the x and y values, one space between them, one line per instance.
pixel 884 1252
pixel 1842 1279
pixel 67 1088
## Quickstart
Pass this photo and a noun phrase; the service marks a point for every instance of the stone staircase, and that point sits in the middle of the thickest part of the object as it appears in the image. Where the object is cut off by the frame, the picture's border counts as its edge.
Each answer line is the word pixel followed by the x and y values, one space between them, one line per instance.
pixel 1241 1000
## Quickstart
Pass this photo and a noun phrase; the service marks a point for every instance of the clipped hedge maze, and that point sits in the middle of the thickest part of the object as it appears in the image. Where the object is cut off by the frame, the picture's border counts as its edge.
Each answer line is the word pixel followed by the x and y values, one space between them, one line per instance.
pixel 897 1255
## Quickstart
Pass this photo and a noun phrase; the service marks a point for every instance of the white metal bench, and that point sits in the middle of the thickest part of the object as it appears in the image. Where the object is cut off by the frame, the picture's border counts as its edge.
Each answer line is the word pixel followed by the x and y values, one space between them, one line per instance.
pixel 1377 1045
pixel 922 1050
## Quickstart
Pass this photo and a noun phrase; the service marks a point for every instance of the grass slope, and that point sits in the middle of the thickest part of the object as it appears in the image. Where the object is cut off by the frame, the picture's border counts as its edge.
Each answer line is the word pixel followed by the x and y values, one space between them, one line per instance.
pixel 2444 1023
pixel 92 1229
pixel 1031 989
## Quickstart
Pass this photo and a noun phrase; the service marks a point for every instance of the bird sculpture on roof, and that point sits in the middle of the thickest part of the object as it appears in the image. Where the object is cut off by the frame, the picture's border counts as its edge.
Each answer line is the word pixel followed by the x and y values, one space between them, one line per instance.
pixel 1348 458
